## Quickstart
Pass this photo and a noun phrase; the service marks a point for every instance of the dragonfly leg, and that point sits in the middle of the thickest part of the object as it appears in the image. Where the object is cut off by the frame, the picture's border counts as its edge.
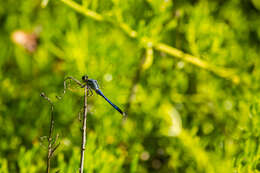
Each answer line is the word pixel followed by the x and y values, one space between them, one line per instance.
pixel 89 92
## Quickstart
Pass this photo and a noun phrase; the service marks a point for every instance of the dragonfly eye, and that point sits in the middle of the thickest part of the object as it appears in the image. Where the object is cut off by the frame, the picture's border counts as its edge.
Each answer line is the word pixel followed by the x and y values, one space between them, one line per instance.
pixel 84 78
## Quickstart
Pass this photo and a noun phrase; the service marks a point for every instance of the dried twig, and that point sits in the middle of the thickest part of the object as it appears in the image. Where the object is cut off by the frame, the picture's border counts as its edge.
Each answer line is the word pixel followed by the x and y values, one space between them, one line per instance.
pixel 51 143
pixel 84 123
pixel 84 126
pixel 65 85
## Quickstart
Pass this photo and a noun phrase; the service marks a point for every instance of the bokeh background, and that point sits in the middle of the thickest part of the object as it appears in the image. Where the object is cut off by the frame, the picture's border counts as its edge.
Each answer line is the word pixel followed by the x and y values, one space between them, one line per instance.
pixel 187 72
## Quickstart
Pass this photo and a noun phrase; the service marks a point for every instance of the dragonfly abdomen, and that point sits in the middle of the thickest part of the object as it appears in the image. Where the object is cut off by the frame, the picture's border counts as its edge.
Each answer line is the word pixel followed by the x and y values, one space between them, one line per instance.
pixel 98 91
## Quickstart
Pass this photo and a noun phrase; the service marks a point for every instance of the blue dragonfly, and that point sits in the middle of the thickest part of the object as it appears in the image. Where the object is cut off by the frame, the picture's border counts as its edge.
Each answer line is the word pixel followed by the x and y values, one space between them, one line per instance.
pixel 94 85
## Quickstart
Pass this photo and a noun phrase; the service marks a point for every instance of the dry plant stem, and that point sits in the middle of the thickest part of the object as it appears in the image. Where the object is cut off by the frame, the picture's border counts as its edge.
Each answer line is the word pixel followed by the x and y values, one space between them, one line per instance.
pixel 50 142
pixel 84 123
pixel 65 85
pixel 51 149
pixel 84 128
pixel 71 78
pixel 75 80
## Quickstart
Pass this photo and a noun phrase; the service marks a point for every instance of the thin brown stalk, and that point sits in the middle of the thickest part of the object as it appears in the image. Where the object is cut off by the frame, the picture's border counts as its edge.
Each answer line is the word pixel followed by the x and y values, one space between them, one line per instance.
pixel 84 128
pixel 65 85
pixel 51 143
pixel 84 123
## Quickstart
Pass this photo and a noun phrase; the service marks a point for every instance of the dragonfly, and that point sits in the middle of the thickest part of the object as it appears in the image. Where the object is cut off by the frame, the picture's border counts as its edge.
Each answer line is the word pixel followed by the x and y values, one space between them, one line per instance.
pixel 93 84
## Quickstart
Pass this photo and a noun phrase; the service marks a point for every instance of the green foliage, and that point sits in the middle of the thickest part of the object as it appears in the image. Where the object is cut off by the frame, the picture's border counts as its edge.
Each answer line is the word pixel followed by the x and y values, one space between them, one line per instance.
pixel 186 115
pixel 3 166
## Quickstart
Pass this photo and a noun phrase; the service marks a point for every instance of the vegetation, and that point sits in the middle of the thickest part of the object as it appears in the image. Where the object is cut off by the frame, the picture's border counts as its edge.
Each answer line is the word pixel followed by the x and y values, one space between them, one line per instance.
pixel 186 72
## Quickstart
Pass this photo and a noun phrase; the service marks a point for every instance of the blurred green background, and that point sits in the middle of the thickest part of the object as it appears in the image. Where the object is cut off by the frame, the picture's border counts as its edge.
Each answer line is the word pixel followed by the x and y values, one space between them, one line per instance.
pixel 184 115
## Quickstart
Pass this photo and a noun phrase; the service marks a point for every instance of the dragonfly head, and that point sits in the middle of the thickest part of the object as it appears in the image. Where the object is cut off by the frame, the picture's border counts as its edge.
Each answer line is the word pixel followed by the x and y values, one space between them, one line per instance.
pixel 85 78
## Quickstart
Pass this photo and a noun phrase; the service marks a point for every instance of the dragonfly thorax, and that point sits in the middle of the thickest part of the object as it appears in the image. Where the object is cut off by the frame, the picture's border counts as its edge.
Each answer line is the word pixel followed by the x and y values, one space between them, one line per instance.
pixel 93 84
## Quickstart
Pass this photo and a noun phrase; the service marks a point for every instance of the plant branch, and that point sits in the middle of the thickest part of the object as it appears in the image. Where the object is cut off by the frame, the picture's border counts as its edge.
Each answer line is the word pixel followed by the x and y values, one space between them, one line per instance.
pixel 219 71
pixel 84 123
pixel 84 128
pixel 51 149
pixel 83 10
pixel 65 85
